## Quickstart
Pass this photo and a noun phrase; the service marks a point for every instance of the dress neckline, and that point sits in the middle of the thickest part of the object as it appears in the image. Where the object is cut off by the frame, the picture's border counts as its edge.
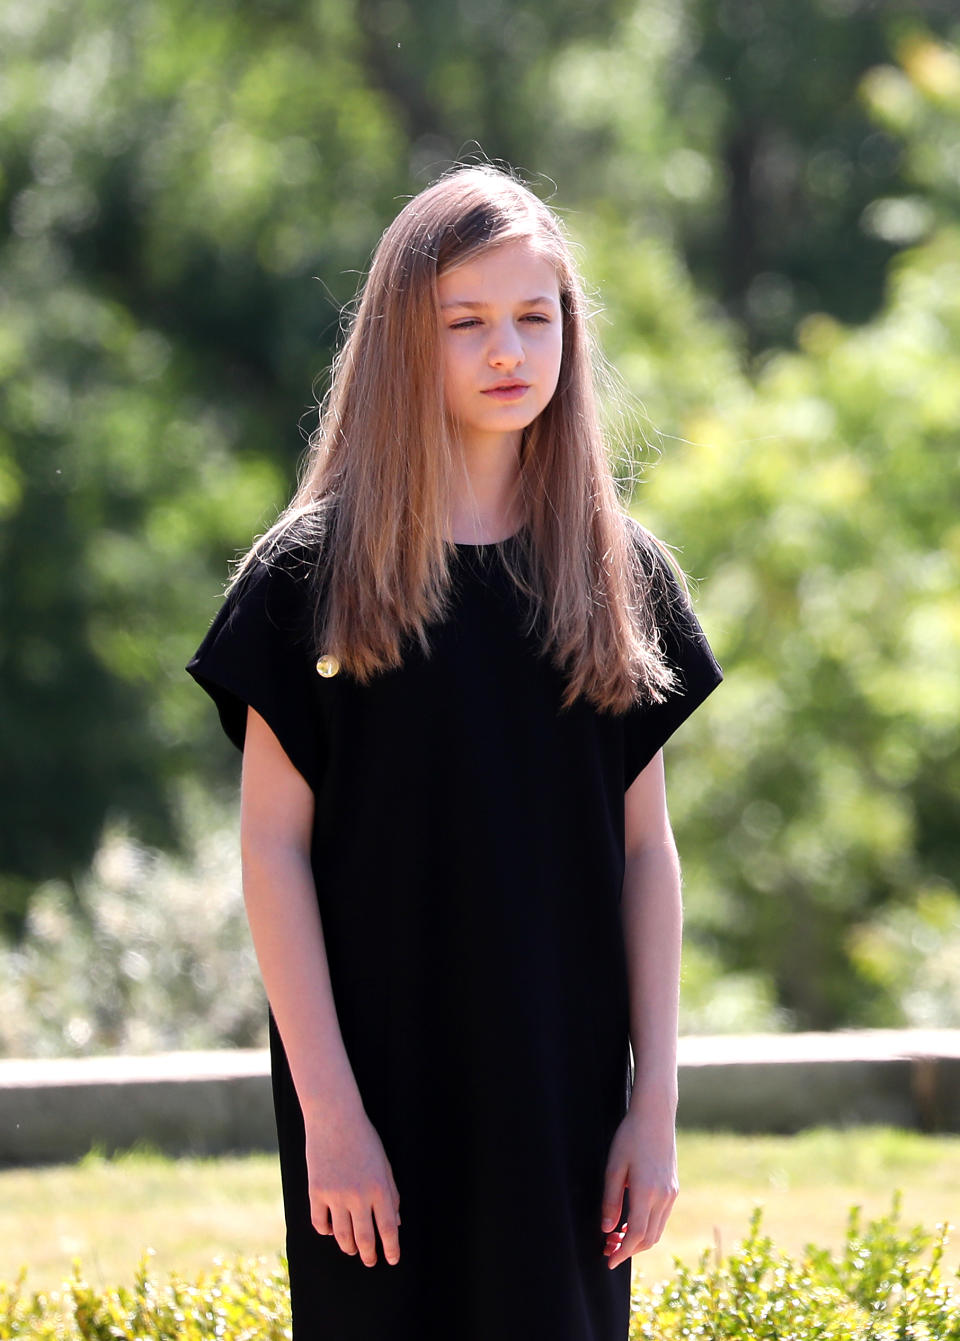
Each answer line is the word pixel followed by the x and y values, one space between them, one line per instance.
pixel 487 544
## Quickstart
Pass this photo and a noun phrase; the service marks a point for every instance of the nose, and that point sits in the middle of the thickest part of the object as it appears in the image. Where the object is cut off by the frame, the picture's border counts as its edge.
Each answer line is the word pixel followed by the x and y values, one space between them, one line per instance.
pixel 506 347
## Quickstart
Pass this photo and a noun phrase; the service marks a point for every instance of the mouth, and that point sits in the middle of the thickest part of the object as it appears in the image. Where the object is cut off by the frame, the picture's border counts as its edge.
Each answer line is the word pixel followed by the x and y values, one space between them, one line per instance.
pixel 511 390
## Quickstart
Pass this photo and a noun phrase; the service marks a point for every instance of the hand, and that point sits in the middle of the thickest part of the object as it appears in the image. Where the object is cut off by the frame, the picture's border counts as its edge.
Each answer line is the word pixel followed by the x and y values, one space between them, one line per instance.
pixel 351 1184
pixel 643 1157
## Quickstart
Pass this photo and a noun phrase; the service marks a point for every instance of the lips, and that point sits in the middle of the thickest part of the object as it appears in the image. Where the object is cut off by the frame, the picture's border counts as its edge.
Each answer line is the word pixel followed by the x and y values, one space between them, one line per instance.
pixel 512 390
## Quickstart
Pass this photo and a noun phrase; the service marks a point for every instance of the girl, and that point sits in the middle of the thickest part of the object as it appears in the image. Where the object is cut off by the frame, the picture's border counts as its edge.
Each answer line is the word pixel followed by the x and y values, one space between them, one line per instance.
pixel 451 665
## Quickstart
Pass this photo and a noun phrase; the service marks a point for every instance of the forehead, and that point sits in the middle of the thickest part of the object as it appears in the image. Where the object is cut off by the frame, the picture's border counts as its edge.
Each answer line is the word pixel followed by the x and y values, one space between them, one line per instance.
pixel 513 271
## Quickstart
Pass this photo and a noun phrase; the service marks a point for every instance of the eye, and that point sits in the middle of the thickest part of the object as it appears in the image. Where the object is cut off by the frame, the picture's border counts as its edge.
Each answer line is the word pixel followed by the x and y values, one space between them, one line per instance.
pixel 538 318
pixel 464 325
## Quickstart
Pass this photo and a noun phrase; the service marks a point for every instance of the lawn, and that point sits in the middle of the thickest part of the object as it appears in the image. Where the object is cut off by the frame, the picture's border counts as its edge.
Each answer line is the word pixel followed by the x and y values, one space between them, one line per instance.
pixel 189 1211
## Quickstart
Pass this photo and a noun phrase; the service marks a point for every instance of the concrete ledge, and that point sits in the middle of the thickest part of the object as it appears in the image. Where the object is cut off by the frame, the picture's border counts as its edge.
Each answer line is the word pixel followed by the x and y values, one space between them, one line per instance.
pixel 784 1082
pixel 211 1102
pixel 183 1103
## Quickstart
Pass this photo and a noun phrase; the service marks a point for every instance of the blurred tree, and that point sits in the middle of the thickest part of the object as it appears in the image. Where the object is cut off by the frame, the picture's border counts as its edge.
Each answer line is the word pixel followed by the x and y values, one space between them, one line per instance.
pixel 173 177
pixel 822 503
pixel 824 510
pixel 736 127
pixel 819 498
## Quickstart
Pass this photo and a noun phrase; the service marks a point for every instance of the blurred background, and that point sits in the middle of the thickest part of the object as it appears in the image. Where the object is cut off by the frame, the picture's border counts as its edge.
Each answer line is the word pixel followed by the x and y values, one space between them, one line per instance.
pixel 766 201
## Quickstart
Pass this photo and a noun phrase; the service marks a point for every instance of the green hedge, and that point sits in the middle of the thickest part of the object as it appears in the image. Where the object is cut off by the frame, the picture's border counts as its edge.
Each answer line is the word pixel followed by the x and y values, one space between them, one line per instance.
pixel 245 1300
pixel 886 1284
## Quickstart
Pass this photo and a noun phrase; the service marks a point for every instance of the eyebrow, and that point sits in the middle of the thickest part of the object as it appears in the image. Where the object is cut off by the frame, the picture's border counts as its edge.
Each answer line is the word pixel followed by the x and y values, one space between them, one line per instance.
pixel 524 302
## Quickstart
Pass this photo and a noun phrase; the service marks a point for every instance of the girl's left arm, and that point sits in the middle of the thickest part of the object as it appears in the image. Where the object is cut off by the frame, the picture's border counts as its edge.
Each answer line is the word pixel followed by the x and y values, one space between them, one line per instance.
pixel 643 1152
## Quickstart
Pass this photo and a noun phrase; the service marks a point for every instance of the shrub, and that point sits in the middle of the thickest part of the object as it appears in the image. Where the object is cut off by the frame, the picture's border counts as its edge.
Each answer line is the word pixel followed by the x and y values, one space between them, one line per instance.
pixel 877 1289
pixel 155 955
pixel 245 1300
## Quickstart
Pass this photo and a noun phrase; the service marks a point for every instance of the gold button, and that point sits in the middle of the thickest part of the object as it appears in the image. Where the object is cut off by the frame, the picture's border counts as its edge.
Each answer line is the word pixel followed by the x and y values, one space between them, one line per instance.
pixel 328 665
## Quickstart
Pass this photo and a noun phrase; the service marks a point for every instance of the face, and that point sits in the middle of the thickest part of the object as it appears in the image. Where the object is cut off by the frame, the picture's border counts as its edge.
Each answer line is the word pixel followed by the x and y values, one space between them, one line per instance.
pixel 501 336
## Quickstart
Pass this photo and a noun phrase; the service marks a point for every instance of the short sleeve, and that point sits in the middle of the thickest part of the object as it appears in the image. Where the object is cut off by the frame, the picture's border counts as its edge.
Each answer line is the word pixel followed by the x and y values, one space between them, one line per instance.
pixel 258 651
pixel 648 726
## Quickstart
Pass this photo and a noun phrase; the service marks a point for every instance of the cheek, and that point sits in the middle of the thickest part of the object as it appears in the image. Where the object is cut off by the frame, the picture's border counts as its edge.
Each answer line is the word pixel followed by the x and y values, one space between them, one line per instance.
pixel 457 385
pixel 553 346
pixel 556 357
pixel 449 373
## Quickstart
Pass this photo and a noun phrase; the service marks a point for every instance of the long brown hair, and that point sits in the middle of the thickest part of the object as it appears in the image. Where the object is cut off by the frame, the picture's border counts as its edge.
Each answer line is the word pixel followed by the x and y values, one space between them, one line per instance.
pixel 375 490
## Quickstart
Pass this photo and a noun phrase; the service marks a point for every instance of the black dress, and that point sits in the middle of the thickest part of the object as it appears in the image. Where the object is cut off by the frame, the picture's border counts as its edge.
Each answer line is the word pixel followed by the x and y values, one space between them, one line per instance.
pixel 468 852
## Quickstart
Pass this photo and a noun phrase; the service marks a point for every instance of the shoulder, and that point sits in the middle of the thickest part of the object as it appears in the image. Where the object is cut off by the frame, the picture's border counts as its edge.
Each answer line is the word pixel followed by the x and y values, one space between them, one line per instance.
pixel 288 564
pixel 662 580
pixel 273 594
pixel 678 630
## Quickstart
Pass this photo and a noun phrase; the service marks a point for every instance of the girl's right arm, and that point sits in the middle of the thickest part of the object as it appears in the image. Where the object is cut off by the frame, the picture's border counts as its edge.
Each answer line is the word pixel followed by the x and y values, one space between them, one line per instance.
pixel 351 1181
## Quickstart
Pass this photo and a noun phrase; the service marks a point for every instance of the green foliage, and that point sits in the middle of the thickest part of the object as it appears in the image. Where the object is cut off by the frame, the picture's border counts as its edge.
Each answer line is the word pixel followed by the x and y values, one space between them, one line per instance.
pixel 173 178
pixel 816 796
pixel 912 953
pixel 825 778
pixel 879 1288
pixel 246 1300
pixel 744 133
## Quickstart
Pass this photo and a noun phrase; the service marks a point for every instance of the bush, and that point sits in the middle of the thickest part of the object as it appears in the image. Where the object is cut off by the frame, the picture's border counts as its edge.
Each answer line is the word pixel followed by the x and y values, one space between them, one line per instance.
pixel 246 1300
pixel 155 955
pixel 876 1289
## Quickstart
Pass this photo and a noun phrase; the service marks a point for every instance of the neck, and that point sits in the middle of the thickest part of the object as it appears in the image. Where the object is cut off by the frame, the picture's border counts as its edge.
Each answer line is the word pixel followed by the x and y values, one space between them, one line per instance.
pixel 485 506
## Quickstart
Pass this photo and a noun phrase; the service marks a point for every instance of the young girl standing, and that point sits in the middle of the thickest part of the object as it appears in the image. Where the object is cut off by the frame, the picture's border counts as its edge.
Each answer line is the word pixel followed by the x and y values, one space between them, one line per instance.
pixel 451 666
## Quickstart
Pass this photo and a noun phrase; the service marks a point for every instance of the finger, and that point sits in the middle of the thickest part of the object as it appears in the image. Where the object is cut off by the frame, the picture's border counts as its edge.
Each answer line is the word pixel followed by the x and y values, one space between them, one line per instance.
pixel 659 1223
pixel 388 1221
pixel 643 1233
pixel 613 1241
pixel 364 1236
pixel 394 1192
pixel 343 1229
pixel 320 1217
pixel 635 1237
pixel 612 1198
pixel 629 1244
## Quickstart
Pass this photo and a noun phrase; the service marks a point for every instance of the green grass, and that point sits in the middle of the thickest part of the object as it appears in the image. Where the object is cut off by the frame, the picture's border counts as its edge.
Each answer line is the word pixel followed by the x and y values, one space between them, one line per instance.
pixel 805 1183
pixel 106 1212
